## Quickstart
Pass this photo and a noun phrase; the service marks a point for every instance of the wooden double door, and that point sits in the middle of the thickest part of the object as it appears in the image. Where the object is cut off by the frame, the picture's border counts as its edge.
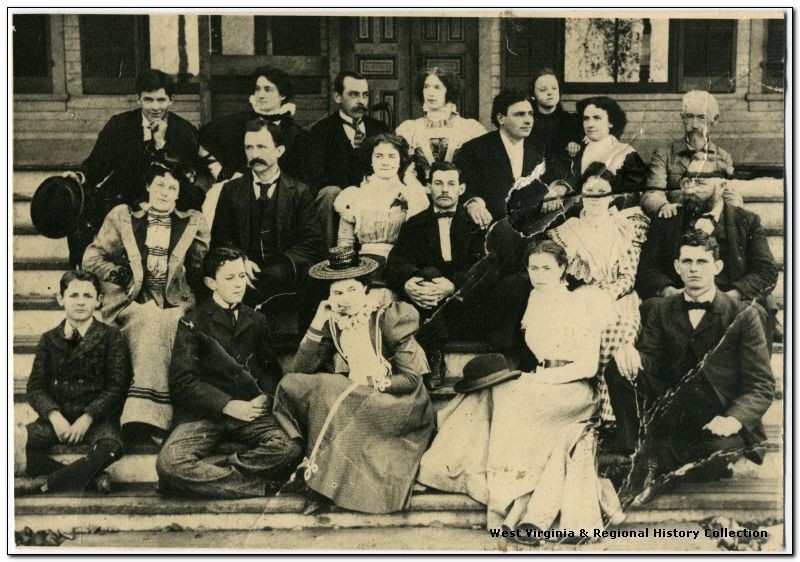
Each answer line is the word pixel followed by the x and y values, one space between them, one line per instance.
pixel 389 51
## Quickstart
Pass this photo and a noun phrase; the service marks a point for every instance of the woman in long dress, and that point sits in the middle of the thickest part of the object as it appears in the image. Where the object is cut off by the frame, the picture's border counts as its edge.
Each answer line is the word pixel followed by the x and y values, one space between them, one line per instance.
pixel 150 261
pixel 526 447
pixel 603 246
pixel 356 395
pixel 440 132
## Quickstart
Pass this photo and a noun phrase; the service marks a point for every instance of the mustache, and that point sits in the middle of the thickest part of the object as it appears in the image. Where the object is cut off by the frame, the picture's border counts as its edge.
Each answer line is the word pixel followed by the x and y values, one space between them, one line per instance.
pixel 255 161
pixel 361 107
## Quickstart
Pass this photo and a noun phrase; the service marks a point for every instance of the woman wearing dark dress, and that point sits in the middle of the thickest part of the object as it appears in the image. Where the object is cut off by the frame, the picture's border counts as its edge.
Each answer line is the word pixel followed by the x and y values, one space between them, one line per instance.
pixel 557 129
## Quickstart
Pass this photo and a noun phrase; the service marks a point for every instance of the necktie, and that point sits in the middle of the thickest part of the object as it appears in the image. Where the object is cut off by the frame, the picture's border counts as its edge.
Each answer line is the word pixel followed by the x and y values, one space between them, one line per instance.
pixel 76 338
pixel 231 311
pixel 692 305
pixel 263 191
pixel 359 136
pixel 445 214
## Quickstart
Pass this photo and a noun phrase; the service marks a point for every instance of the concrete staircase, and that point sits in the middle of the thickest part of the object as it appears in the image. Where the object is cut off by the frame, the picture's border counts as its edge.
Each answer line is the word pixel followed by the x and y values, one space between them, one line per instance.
pixel 753 493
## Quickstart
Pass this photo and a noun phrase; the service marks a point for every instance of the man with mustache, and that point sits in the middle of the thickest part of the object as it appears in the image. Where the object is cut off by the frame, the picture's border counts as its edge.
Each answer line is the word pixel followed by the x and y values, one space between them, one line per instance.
pixel 432 259
pixel 123 152
pixel 340 135
pixel 272 91
pixel 693 154
pixel 749 272
pixel 270 217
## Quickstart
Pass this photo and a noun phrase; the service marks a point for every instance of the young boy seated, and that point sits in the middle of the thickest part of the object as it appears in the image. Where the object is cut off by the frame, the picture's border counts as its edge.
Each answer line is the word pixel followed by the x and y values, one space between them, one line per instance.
pixel 222 376
pixel 78 383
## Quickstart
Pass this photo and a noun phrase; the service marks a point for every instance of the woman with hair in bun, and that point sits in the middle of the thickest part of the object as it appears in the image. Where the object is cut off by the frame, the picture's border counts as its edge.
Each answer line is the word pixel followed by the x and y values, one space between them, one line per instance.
pixel 440 132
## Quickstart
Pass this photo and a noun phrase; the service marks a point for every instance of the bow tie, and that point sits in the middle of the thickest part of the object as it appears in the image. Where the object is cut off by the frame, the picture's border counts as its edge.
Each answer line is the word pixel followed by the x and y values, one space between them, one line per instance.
pixel 708 216
pixel 692 305
pixel 445 214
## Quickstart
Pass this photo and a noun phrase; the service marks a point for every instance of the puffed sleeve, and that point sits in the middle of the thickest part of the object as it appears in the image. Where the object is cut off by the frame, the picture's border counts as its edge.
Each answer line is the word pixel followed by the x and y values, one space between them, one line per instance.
pixel 417 197
pixel 346 203
pixel 406 130
pixel 472 129
pixel 399 322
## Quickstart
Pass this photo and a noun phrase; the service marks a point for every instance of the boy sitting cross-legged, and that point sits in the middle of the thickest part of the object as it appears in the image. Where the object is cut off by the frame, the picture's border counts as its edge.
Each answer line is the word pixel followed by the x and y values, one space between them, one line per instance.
pixel 78 383
pixel 222 376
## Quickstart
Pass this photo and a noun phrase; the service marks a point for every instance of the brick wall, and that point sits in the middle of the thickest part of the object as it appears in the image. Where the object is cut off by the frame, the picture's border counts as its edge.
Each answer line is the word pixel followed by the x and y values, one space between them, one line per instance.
pixel 59 130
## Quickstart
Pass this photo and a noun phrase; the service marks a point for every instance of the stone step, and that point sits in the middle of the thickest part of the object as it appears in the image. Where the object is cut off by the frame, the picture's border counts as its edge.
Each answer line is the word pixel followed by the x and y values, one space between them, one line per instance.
pixel 139 463
pixel 137 508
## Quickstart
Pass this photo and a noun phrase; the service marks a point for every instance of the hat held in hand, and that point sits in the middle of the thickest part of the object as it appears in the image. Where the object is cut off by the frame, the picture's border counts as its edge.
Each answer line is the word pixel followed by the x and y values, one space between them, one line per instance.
pixel 484 371
pixel 56 206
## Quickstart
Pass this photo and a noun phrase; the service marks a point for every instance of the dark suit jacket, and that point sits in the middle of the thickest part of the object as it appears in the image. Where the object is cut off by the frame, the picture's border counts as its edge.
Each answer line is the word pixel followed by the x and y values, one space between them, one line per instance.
pixel 749 265
pixel 486 169
pixel 298 235
pixel 214 363
pixel 224 139
pixel 121 153
pixel 418 247
pixel 91 378
pixel 738 370
pixel 340 162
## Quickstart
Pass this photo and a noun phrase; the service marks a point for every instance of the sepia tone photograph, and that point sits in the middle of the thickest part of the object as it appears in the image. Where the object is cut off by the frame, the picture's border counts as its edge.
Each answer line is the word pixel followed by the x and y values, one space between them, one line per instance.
pixel 399 281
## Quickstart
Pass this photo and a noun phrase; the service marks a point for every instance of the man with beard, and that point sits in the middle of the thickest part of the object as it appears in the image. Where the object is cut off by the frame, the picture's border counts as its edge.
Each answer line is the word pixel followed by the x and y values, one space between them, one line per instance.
pixel 340 135
pixel 694 154
pixel 125 148
pixel 270 217
pixel 749 272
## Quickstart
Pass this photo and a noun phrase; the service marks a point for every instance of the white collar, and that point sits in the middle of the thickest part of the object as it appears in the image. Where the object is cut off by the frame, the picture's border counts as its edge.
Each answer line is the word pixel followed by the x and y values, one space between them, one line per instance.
pixel 509 143
pixel 222 304
pixel 708 296
pixel 273 179
pixel 69 329
pixel 347 119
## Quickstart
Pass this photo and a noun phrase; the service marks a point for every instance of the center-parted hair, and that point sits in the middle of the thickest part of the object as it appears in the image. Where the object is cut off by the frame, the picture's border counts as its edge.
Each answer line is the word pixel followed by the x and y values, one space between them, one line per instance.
pixel 275 75
pixel 547 246
pixel 616 116
pixel 385 138
pixel 219 256
pixel 505 99
pixel 697 238
pixel 79 275
pixel 451 81
pixel 598 170
pixel 256 124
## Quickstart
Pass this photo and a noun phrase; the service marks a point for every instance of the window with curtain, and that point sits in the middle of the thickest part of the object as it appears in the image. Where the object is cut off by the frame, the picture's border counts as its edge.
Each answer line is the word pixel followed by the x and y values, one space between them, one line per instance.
pixel 619 55
pixel 774 57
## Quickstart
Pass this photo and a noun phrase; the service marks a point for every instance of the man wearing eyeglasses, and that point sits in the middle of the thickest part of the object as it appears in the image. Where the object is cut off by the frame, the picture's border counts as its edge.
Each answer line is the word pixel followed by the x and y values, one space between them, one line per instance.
pixel 694 154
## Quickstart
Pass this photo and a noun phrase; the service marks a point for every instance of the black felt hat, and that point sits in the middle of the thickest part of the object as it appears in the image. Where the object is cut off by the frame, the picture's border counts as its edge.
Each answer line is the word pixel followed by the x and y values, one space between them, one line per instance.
pixel 56 206
pixel 484 371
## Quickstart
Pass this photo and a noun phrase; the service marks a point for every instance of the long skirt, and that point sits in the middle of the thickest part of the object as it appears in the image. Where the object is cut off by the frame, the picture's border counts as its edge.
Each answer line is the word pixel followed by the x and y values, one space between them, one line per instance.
pixel 527 451
pixel 150 332
pixel 364 456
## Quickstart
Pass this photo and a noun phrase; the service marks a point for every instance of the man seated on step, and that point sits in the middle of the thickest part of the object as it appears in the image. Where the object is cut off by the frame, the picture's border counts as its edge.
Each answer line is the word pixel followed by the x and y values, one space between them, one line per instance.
pixel 269 216
pixel 430 261
pixel 78 383
pixel 340 135
pixel 693 154
pixel 750 271
pixel 124 150
pixel 703 370
pixel 222 379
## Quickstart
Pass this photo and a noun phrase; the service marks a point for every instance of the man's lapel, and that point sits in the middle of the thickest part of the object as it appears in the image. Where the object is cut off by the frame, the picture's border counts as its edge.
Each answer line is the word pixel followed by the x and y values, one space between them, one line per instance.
pixel 498 152
pixel 244 321
pixel 284 200
pixel 680 318
pixel 460 234
pixel 530 156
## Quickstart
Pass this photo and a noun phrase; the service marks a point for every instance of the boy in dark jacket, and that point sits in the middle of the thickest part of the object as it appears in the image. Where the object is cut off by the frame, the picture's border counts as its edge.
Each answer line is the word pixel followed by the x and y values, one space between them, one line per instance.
pixel 222 376
pixel 78 384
